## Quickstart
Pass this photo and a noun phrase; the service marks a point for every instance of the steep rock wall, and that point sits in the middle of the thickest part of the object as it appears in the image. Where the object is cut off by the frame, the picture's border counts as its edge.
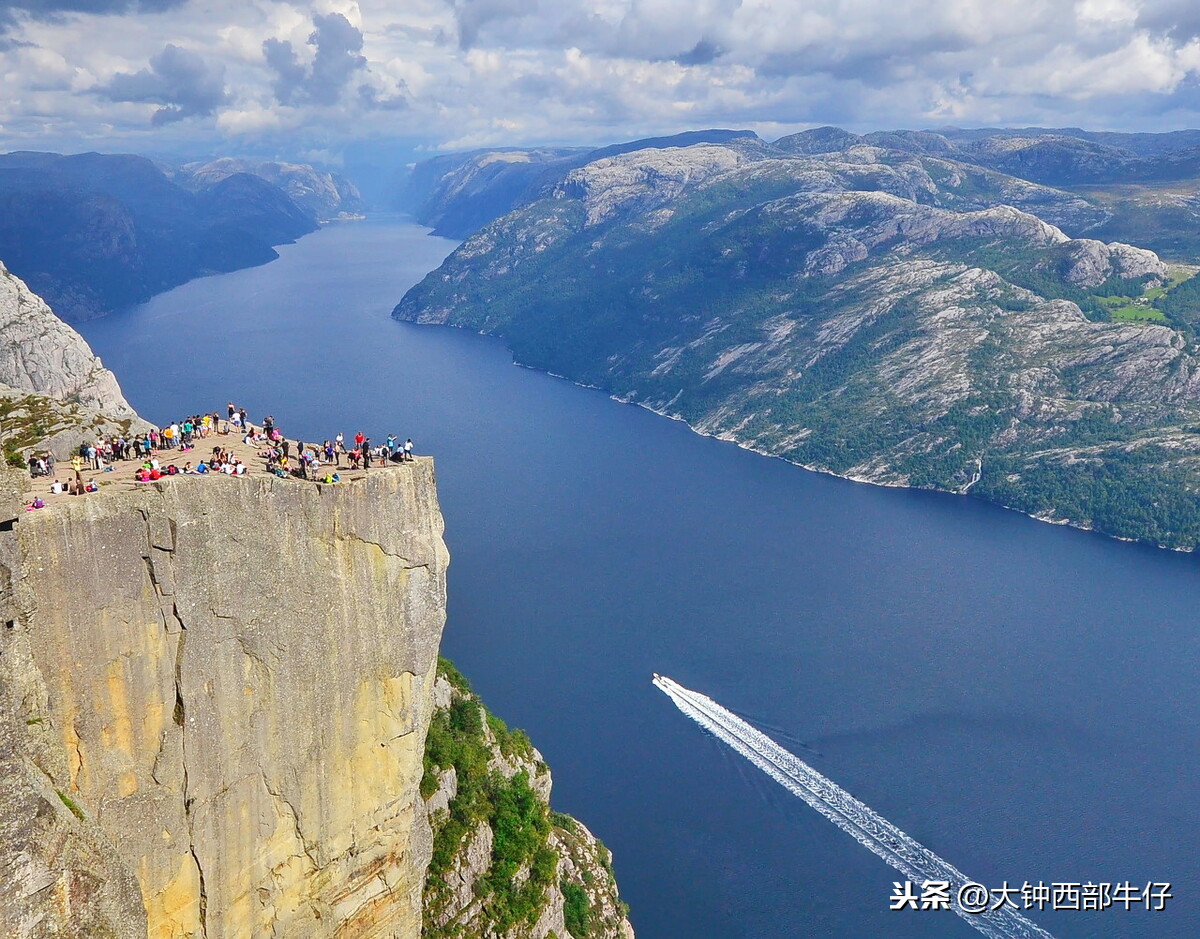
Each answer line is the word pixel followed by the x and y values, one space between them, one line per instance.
pixel 42 354
pixel 225 684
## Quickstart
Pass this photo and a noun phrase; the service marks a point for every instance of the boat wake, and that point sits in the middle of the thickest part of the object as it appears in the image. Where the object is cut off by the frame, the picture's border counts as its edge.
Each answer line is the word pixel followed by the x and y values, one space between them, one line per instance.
pixel 911 858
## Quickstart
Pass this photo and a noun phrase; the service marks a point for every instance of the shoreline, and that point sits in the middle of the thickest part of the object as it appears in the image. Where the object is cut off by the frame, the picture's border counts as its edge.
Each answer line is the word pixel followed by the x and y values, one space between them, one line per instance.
pixel 731 438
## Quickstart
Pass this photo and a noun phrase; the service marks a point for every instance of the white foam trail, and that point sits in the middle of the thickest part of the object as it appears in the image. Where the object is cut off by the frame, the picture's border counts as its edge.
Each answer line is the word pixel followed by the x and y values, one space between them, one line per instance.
pixel 911 858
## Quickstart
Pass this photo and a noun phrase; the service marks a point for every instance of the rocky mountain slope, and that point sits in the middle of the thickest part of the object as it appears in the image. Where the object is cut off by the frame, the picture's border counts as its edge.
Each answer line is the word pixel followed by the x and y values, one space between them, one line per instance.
pixel 457 194
pixel 94 232
pixel 43 355
pixel 895 317
pixel 54 393
pixel 1139 188
pixel 504 865
pixel 323 195
pixel 1143 188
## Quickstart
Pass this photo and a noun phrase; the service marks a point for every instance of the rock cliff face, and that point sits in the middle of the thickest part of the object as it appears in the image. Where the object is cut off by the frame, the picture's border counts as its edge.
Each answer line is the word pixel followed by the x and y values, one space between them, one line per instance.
pixel 43 355
pixel 215 695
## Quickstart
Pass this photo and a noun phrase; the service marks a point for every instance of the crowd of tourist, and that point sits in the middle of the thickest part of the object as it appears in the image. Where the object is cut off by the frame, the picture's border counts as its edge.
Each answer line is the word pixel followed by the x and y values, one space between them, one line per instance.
pixel 155 452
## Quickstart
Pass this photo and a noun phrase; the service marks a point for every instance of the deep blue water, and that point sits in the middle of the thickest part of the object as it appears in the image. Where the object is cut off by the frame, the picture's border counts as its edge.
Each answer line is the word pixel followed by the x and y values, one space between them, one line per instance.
pixel 1021 698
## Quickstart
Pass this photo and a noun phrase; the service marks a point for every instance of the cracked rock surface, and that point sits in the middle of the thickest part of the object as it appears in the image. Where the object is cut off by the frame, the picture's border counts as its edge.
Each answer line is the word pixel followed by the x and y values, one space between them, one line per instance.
pixel 231 682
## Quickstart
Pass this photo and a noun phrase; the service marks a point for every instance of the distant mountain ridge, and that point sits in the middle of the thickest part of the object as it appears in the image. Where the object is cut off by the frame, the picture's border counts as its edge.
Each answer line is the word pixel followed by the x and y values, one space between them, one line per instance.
pixel 1141 188
pixel 323 195
pixel 880 308
pixel 457 194
pixel 94 232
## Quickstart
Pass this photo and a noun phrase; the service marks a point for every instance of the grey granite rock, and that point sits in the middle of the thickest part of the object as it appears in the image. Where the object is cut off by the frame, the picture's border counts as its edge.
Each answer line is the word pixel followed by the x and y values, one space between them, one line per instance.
pixel 40 353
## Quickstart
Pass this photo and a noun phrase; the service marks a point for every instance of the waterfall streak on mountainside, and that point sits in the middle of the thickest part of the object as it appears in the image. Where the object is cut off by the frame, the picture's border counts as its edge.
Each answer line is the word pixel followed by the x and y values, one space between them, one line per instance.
pixel 912 859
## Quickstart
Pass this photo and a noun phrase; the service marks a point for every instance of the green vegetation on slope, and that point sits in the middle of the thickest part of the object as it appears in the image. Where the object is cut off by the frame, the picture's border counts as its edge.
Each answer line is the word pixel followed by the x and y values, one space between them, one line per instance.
pixel 520 822
pixel 28 419
pixel 528 839
pixel 1181 302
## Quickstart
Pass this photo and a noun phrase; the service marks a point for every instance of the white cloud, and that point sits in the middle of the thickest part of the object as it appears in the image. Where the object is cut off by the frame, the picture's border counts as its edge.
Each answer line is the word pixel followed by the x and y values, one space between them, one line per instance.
pixel 476 72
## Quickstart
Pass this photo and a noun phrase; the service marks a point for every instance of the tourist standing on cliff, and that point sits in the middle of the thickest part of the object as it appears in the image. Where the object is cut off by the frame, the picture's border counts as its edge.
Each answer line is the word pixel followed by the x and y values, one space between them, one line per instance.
pixel 408 448
pixel 365 448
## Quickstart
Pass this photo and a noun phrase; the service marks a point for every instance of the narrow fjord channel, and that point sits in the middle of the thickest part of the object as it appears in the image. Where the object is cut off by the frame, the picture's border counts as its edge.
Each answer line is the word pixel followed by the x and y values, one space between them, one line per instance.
pixel 1020 698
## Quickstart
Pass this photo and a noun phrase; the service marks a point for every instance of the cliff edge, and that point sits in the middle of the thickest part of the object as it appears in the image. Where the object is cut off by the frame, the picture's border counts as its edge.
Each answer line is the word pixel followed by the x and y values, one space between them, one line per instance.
pixel 216 695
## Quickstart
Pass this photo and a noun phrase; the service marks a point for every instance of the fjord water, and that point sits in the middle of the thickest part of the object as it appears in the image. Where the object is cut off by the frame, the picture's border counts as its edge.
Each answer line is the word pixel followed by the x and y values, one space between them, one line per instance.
pixel 1018 697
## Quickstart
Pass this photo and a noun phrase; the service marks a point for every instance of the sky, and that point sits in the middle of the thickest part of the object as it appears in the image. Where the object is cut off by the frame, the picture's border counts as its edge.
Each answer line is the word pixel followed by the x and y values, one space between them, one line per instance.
pixel 310 79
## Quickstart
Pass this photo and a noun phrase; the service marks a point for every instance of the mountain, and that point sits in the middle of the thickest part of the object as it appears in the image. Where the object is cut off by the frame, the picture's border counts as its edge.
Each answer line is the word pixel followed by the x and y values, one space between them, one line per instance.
pixel 94 232
pixel 324 196
pixel 1144 188
pixel 42 355
pixel 886 315
pixel 1141 188
pixel 457 194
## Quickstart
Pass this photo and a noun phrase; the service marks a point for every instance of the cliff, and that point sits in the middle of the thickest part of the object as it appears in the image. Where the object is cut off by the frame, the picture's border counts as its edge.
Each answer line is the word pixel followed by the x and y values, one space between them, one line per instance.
pixel 215 691
pixel 504 865
pixel 216 694
pixel 43 355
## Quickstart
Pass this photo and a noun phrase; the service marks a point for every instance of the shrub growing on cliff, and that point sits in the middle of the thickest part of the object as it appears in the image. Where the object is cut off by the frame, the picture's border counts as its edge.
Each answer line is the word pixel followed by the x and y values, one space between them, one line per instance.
pixel 576 911
pixel 518 817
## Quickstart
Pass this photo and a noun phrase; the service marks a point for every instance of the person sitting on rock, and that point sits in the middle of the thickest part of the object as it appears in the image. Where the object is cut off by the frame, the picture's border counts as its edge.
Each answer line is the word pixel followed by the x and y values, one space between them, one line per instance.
pixel 91 486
